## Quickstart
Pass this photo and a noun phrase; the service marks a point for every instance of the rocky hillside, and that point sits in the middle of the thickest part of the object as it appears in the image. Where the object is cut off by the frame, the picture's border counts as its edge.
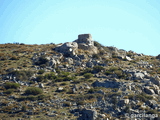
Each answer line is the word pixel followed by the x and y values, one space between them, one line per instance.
pixel 81 80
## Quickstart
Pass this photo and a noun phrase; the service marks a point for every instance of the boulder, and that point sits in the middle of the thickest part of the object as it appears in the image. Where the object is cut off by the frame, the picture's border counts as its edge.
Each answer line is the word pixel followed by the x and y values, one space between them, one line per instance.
pixel 77 63
pixel 152 102
pixel 158 57
pixel 106 84
pixel 60 89
pixel 139 76
pixel 128 58
pixel 82 56
pixel 155 80
pixel 41 85
pixel 149 91
pixel 89 64
pixel 52 62
pixel 68 48
pixel 124 102
pixel 69 60
pixel 88 114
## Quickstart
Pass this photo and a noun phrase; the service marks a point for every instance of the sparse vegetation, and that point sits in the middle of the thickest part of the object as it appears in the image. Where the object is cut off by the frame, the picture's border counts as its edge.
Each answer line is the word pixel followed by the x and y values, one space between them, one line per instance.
pixel 22 75
pixel 31 88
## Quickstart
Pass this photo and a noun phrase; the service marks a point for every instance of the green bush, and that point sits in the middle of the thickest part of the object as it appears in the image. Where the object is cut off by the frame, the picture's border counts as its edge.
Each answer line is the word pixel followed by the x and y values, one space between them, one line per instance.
pixel 33 91
pixel 41 71
pixel 22 75
pixel 10 85
pixel 9 91
pixel 97 44
pixel 39 78
pixel 92 90
pixel 80 103
pixel 63 74
pixel 152 112
pixel 88 75
pixel 98 68
pixel 96 56
pixel 120 74
pixel 59 79
pixel 112 69
pixel 50 76
pixel 108 73
pixel 64 83
pixel 66 104
pixel 142 97
pixel 87 70
pixel 42 60
pixel 114 100
pixel 41 97
pixel 32 97
pixel 95 89
pixel 24 108
pixel 14 58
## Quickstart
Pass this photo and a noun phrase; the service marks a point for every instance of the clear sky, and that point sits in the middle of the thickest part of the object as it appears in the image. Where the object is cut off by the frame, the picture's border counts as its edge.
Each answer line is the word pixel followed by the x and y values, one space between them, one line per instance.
pixel 126 24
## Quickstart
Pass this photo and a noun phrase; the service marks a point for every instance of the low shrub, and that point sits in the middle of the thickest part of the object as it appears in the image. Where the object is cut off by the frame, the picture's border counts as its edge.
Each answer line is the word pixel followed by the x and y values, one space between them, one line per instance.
pixel 66 104
pixel 64 83
pixel 9 91
pixel 50 76
pixel 142 97
pixel 40 78
pixel 41 71
pixel 152 112
pixel 42 60
pixel 98 68
pixel 108 73
pixel 87 70
pixel 10 85
pixel 41 97
pixel 33 91
pixel 24 108
pixel 80 103
pixel 96 56
pixel 22 75
pixel 32 97
pixel 92 90
pixel 88 75
pixel 14 58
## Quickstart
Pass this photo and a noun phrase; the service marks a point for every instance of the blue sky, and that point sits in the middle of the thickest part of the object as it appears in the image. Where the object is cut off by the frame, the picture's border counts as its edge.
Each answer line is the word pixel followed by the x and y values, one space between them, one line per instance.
pixel 126 24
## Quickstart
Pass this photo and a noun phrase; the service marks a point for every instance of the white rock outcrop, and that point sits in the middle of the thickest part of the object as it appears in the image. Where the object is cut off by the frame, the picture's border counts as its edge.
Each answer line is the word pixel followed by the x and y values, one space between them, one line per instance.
pixel 68 48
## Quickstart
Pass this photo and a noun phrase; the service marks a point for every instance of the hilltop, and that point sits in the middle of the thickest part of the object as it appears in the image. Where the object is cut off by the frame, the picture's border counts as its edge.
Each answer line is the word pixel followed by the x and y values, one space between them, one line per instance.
pixel 81 80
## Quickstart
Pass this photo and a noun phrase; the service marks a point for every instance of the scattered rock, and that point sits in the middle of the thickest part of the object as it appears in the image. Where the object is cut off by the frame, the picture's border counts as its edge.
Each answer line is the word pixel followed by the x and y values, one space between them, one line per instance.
pixel 138 76
pixel 148 90
pixel 88 114
pixel 124 102
pixel 89 64
pixel 106 84
pixel 158 57
pixel 128 58
pixel 155 80
pixel 41 85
